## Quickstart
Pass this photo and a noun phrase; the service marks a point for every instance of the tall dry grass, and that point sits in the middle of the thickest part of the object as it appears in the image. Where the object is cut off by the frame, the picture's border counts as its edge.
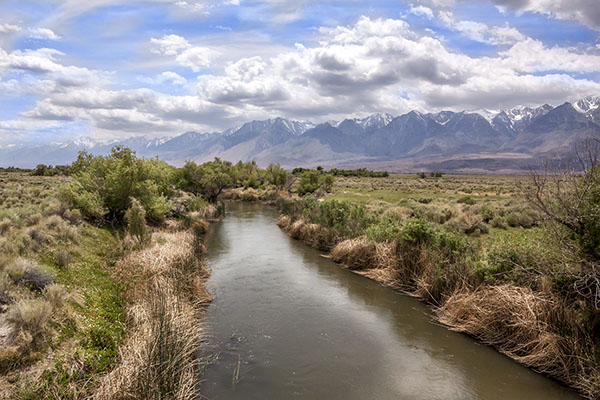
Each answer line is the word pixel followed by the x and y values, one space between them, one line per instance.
pixel 164 297
pixel 534 328
pixel 314 235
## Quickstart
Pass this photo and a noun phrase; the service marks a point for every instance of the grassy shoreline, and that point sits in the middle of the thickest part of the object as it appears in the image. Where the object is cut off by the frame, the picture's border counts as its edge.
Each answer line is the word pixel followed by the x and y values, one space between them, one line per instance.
pixel 507 286
pixel 78 300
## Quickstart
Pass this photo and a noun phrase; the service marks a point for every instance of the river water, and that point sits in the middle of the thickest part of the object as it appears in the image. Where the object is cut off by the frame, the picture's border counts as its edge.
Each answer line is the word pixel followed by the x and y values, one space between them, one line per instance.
pixel 287 323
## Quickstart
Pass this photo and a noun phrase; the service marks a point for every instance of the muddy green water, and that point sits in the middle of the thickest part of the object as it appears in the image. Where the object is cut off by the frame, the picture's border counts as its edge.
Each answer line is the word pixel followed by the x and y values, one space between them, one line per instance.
pixel 287 323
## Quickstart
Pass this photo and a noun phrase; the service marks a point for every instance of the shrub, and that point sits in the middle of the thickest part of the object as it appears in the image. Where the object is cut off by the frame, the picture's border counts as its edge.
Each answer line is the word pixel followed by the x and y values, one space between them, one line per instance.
pixel 29 317
pixel 73 216
pixel 36 278
pixel 385 230
pixel 55 208
pixel 499 222
pixel 37 235
pixel 56 295
pixel 522 219
pixel 466 200
pixel 197 203
pixel 29 273
pixel 53 222
pixel 103 185
pixel 135 217
pixel 62 258
pixel 487 212
pixel 311 181
pixel 417 231
pixel 276 176
pixel 33 219
pixel 5 225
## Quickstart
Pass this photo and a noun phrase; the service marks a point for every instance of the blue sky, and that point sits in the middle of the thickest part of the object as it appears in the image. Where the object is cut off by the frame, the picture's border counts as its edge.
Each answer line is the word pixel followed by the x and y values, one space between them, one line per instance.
pixel 110 69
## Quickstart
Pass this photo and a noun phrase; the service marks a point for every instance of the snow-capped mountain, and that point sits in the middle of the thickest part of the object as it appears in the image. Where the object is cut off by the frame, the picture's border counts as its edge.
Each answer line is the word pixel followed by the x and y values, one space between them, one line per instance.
pixel 590 107
pixel 587 104
pixel 490 139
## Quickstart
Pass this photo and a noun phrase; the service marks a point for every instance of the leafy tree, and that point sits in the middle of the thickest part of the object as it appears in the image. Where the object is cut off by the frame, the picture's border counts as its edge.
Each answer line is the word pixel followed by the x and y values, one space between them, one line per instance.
pixel 247 175
pixel 276 176
pixel 208 179
pixel 311 181
pixel 104 185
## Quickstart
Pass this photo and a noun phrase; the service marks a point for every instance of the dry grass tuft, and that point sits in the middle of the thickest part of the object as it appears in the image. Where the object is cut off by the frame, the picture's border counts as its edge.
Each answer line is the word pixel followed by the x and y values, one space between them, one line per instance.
pixel 28 273
pixel 357 253
pixel 284 221
pixel 5 226
pixel 28 319
pixel 521 323
pixel 158 359
pixel 164 302
pixel 62 258
pixel 56 295
pixel 200 227
pixel 312 234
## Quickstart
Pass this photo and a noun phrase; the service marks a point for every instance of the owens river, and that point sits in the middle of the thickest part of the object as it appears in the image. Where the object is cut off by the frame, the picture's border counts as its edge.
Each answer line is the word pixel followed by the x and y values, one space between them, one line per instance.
pixel 287 323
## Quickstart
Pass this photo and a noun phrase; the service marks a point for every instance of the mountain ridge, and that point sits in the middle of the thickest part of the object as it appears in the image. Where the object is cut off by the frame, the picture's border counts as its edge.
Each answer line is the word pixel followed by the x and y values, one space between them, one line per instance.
pixel 405 142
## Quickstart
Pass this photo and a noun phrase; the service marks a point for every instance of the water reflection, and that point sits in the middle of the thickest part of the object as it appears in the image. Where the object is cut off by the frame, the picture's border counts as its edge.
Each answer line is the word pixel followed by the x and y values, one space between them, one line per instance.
pixel 288 323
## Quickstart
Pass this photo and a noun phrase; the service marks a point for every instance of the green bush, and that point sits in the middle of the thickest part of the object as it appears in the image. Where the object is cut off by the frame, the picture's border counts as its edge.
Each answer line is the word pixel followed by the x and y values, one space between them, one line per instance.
pixel 276 176
pixel 311 181
pixel 103 185
pixel 135 216
pixel 384 230
pixel 466 200
pixel 207 180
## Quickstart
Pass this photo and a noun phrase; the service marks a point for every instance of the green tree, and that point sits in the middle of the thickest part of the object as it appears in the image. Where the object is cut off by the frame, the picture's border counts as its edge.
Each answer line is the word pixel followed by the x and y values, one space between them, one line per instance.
pixel 207 180
pixel 276 176
pixel 311 181
pixel 103 186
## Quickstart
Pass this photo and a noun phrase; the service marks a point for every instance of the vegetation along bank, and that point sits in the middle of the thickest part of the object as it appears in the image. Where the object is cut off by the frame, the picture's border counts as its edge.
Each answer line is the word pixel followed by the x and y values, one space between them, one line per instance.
pixel 102 274
pixel 512 261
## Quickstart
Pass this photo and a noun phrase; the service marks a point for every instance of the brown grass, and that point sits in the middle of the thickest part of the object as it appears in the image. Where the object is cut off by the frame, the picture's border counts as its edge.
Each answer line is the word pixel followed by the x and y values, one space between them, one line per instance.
pixel 522 324
pixel 314 235
pixel 165 298
pixel 357 253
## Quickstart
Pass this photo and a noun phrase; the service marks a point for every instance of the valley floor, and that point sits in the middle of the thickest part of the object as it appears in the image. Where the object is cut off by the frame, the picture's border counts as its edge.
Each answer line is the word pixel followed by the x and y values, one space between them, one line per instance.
pixel 84 310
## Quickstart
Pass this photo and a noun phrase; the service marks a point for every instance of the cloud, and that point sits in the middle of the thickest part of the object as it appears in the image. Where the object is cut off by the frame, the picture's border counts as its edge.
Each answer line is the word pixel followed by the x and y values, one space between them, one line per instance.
pixel 186 55
pixel 9 28
pixel 421 11
pixel 480 32
pixel 43 34
pixel 586 12
pixel 167 77
pixel 372 65
pixel 43 65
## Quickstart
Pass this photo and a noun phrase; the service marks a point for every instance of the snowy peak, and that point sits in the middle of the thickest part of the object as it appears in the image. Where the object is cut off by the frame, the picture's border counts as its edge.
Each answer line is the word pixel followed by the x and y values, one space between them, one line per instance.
pixel 374 121
pixel 587 104
pixel 526 113
pixel 488 114
pixel 442 117
pixel 294 127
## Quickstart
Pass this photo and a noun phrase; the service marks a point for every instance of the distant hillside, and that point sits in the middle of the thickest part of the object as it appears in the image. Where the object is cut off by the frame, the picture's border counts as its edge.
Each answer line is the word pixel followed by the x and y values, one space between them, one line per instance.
pixel 469 141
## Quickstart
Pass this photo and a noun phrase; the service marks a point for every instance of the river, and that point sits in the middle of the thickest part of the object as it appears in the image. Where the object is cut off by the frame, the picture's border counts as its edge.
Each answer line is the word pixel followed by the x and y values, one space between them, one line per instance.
pixel 287 323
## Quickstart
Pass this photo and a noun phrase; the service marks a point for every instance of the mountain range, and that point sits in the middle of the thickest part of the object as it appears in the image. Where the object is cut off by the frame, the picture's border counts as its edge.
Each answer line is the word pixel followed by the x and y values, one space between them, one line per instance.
pixel 502 141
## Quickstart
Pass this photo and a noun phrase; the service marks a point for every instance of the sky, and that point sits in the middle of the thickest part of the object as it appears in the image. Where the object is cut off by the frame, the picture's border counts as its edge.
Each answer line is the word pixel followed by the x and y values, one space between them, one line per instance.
pixel 110 69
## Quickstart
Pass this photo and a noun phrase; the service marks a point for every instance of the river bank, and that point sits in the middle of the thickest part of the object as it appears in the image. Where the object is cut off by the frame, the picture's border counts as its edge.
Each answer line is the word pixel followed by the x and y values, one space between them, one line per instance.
pixel 286 322
pixel 88 311
pixel 532 324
